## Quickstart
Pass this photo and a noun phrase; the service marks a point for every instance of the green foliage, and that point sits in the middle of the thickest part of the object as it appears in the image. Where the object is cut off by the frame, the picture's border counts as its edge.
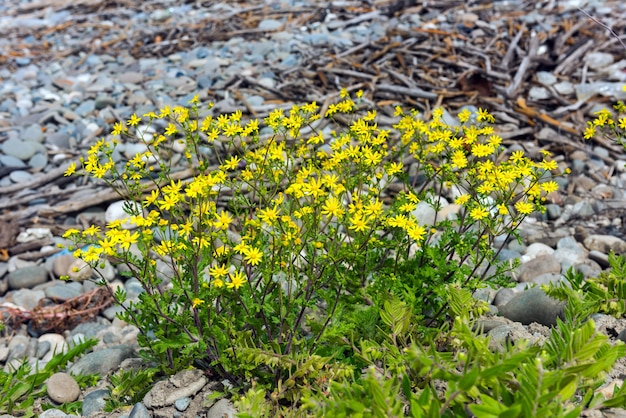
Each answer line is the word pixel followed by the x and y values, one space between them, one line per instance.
pixel 127 387
pixel 292 264
pixel 459 373
pixel 20 387
pixel 604 294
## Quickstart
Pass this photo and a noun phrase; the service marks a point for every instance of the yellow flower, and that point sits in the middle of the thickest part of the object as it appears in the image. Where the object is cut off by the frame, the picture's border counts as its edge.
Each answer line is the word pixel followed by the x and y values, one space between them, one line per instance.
pixel 70 232
pixel 118 128
pixel 218 271
pixel 237 279
pixel 332 207
pixel 590 132
pixel 461 200
pixel 71 169
pixel 127 239
pixel 134 120
pixel 91 231
pixel 416 232
pixel 253 256
pixel 524 208
pixel 479 213
pixel 458 159
pixel 171 129
pixel 232 163
pixel 394 168
pixel 269 216
pixel 218 283
pixel 464 115
pixel 196 302
pixel 357 223
pixel 222 221
pixel 549 186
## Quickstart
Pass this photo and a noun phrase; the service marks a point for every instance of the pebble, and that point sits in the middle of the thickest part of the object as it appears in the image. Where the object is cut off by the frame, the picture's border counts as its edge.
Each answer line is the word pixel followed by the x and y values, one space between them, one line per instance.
pixel 94 402
pixel 27 277
pixel 62 388
pixel 532 305
pixel 102 361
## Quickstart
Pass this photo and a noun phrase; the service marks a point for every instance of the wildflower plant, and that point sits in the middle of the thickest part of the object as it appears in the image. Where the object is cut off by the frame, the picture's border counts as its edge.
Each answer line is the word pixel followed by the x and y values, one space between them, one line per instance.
pixel 610 124
pixel 282 241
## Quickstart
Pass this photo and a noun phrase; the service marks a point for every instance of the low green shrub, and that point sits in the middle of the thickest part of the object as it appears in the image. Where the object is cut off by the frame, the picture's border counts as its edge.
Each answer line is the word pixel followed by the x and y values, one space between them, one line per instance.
pixel 297 266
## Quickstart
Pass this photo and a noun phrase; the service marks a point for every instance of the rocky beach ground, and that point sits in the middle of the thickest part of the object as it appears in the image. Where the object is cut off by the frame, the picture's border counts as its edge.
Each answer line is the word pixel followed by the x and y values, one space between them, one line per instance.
pixel 68 72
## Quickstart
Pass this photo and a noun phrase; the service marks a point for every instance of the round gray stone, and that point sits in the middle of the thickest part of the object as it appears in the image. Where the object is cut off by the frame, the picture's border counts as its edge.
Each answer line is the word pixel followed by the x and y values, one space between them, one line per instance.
pixel 27 277
pixel 533 305
pixel 102 361
pixel 62 388
pixel 23 150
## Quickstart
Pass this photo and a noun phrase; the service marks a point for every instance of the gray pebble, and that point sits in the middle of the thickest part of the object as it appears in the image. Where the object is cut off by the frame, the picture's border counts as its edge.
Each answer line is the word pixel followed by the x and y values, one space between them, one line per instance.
pixel 28 298
pixel 38 161
pixel 27 277
pixel 139 411
pixel 33 133
pixel 20 176
pixel 53 413
pixel 63 291
pixel 23 150
pixel 182 404
pixel 533 305
pixel 103 361
pixel 94 402
pixel 539 265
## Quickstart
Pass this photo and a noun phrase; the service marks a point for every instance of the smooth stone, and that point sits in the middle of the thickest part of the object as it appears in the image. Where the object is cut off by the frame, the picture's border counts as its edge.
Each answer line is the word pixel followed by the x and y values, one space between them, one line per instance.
pixel 60 140
pixel 546 279
pixel 38 161
pixel 18 347
pixel 10 161
pixel 86 107
pixel 33 133
pixel 62 388
pixel 104 101
pixel 131 77
pixel 605 243
pixel 27 277
pixel 533 305
pixel 139 411
pixel 20 176
pixel 43 347
pixel 222 409
pixel 57 344
pixel 182 404
pixel 102 361
pixel 61 264
pixel 53 413
pixel 64 291
pixel 270 24
pixel 542 264
pixel 27 298
pixel 94 402
pixel 536 249
pixel 79 270
pixel 504 296
pixel 22 150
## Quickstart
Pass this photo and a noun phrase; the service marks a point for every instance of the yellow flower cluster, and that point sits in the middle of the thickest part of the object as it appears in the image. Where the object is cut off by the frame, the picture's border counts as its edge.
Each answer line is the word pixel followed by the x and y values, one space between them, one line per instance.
pixel 607 122
pixel 477 149
pixel 299 192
